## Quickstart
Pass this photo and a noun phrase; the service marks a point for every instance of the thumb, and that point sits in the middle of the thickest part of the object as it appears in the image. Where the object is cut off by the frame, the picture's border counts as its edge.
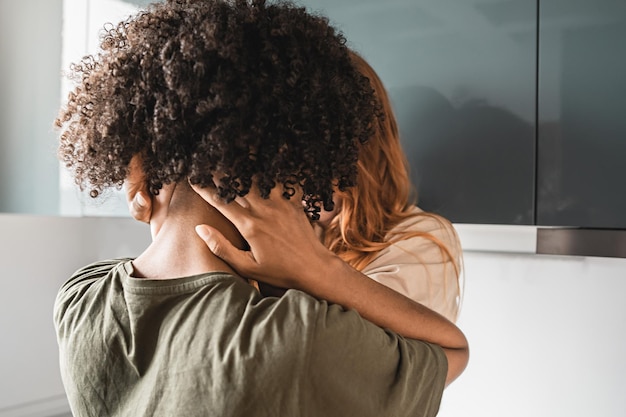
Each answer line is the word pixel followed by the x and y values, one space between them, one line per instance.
pixel 240 260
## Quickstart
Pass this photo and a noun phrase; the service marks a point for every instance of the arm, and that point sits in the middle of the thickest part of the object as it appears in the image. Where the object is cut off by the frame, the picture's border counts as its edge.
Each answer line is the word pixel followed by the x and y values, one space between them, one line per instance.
pixel 286 253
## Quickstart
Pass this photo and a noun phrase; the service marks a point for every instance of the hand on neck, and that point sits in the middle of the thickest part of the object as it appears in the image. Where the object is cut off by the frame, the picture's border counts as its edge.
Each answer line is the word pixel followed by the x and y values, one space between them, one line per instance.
pixel 176 250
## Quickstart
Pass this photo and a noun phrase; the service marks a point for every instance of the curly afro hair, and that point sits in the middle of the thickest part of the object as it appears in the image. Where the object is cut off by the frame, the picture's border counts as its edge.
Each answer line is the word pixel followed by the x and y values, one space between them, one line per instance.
pixel 243 89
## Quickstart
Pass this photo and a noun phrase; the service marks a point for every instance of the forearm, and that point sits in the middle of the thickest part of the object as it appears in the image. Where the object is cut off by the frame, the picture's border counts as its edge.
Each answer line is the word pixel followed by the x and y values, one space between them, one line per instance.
pixel 333 280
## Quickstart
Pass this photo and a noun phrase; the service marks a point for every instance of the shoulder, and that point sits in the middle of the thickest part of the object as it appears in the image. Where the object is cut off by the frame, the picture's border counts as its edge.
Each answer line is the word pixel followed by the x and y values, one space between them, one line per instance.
pixel 87 275
pixel 96 269
pixel 421 237
pixel 348 365
pixel 332 331
pixel 81 281
pixel 358 368
pixel 304 326
pixel 427 223
pixel 423 263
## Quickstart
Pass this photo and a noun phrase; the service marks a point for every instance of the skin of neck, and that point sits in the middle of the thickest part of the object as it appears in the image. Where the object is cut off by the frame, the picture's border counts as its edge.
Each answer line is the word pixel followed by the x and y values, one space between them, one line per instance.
pixel 176 250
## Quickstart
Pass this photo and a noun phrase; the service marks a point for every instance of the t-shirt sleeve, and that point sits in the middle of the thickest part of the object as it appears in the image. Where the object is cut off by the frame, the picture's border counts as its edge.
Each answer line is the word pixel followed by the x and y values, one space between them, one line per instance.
pixel 365 370
pixel 74 290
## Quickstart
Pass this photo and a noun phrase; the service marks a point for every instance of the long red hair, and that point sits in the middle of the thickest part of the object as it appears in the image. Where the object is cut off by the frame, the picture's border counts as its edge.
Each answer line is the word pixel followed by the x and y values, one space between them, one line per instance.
pixel 383 196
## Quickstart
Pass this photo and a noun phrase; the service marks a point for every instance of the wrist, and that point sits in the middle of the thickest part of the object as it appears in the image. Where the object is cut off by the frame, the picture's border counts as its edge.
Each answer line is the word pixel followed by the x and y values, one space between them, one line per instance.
pixel 328 278
pixel 311 269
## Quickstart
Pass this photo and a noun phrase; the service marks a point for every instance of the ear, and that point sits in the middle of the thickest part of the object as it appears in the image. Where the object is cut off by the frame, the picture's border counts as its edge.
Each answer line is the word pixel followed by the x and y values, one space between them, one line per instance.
pixel 138 196
pixel 135 170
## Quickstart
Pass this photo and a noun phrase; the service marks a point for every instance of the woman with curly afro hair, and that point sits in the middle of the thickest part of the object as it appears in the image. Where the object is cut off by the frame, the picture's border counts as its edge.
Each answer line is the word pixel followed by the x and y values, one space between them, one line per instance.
pixel 233 107
pixel 191 96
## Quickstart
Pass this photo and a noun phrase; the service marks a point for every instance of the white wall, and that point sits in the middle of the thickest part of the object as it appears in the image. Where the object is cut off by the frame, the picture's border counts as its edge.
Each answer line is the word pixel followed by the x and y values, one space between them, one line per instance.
pixel 547 337
pixel 30 92
pixel 547 333
pixel 37 255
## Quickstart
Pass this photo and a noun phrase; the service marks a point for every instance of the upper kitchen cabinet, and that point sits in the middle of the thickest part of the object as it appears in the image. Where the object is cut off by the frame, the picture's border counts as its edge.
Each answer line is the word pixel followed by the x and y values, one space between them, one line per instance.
pixel 462 78
pixel 582 114
pixel 467 111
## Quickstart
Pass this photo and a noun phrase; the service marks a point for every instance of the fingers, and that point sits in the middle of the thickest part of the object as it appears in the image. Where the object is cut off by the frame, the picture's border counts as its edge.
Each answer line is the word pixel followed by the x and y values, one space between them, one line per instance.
pixel 277 195
pixel 241 261
pixel 243 202
pixel 233 212
pixel 254 214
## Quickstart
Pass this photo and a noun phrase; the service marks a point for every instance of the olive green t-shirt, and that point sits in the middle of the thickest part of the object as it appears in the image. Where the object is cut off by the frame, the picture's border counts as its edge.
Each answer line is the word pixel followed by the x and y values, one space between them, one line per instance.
pixel 211 345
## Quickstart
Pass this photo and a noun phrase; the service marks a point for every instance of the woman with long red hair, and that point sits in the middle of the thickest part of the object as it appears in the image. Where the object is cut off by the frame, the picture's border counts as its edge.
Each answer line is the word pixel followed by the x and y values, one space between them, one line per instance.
pixel 378 230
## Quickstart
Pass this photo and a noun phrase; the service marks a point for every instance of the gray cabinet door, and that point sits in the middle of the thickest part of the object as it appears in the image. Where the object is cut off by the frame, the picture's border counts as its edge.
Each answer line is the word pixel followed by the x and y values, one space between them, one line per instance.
pixel 582 114
pixel 462 78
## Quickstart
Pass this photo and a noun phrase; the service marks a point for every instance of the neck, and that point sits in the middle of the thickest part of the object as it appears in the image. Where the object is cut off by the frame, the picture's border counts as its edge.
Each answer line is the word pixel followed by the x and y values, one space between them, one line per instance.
pixel 176 250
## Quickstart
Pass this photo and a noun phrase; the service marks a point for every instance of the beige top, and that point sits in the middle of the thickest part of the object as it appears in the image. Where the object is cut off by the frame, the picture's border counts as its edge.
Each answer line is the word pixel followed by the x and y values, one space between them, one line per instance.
pixel 419 269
